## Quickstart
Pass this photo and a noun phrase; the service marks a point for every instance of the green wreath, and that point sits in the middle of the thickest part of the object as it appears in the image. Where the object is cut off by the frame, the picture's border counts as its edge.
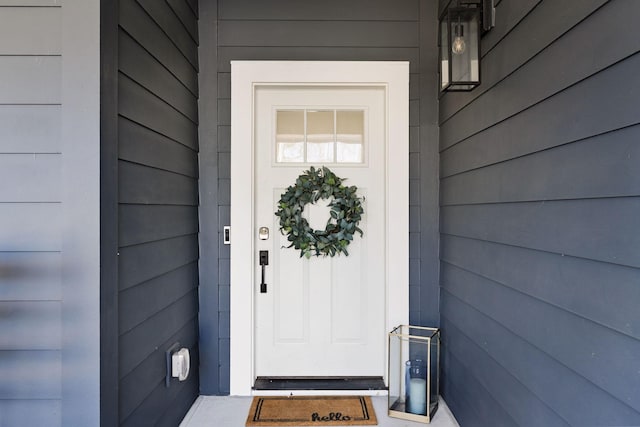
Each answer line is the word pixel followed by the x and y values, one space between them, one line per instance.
pixel 345 214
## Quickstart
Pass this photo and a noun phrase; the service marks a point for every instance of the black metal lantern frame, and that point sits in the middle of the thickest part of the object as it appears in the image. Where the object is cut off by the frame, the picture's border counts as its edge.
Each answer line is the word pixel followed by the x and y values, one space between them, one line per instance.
pixel 461 26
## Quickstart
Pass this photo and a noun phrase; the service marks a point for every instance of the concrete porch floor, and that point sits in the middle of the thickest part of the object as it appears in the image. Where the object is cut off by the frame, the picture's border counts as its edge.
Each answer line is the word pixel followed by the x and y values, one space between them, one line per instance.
pixel 231 411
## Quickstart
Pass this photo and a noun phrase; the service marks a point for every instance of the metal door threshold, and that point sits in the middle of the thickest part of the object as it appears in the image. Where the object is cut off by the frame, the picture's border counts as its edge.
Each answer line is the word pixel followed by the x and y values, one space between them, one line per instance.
pixel 319 383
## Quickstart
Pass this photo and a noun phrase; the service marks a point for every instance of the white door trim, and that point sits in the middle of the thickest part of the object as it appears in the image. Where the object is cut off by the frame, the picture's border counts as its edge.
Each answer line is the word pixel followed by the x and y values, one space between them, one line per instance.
pixel 245 76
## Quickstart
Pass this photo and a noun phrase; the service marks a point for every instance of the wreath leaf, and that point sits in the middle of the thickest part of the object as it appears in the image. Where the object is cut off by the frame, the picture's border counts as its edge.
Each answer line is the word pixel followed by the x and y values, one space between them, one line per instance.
pixel 345 213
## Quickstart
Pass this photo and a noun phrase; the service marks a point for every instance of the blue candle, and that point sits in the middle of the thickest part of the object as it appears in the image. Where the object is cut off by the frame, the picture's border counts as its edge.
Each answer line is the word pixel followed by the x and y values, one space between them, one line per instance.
pixel 418 396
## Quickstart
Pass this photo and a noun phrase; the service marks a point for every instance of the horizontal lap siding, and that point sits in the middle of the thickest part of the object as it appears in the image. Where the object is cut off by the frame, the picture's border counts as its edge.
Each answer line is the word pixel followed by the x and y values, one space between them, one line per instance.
pixel 571 171
pixel 227 54
pixel 42 73
pixel 26 31
pixel 139 65
pixel 30 227
pixel 30 213
pixel 135 142
pixel 39 173
pixel 318 33
pixel 23 3
pixel 30 325
pixel 19 136
pixel 353 30
pixel 30 276
pixel 158 202
pixel 187 16
pixel 540 200
pixel 29 413
pixel 28 374
pixel 328 10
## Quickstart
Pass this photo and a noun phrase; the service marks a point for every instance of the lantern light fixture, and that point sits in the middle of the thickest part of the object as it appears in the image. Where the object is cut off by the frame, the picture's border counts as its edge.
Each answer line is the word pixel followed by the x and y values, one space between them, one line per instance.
pixel 461 25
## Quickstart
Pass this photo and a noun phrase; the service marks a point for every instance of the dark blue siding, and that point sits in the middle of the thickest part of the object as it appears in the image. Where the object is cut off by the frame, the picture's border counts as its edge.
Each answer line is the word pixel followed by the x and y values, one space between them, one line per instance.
pixel 540 208
pixel 157 227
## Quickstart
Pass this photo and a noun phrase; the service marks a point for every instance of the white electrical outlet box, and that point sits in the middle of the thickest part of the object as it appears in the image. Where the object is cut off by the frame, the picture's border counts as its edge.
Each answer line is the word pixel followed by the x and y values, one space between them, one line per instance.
pixel 180 364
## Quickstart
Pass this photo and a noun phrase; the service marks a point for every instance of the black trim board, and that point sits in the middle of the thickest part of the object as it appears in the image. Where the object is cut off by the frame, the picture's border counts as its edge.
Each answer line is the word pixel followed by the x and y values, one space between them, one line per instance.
pixel 214 357
pixel 109 384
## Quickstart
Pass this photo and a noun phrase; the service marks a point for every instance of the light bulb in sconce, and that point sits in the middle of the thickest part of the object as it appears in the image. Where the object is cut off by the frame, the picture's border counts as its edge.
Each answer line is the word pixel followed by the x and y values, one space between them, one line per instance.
pixel 458 45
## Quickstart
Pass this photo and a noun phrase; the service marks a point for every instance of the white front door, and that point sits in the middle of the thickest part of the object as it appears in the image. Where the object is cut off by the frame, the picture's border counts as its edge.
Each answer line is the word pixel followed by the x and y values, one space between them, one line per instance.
pixel 322 316
pixel 295 327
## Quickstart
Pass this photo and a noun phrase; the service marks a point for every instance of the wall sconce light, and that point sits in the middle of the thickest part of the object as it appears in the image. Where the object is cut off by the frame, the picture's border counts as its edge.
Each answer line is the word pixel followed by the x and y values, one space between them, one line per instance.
pixel 461 26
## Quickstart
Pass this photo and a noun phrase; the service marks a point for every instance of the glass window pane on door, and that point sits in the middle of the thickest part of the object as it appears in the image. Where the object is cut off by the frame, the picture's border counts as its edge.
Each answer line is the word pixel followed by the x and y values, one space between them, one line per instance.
pixel 320 136
pixel 290 136
pixel 349 136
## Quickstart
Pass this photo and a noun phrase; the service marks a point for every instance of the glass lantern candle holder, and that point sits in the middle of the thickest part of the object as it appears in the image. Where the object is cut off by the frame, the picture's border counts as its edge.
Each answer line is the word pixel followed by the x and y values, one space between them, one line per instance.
pixel 414 366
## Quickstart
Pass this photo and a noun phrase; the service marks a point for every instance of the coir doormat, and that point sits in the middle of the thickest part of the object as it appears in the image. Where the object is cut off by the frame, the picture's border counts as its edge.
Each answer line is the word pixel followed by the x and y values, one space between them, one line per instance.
pixel 311 411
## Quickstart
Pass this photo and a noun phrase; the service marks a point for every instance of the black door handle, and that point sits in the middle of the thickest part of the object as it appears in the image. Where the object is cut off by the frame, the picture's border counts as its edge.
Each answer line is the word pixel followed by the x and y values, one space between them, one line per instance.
pixel 264 261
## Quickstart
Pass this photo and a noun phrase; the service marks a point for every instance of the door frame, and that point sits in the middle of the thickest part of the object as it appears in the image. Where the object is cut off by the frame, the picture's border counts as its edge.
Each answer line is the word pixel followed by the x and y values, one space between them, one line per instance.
pixel 245 77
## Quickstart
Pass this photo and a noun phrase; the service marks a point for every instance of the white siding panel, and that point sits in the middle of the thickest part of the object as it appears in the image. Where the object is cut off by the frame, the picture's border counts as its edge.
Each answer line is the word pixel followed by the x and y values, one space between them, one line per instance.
pixel 30 31
pixel 30 276
pixel 30 79
pixel 30 413
pixel 32 40
pixel 30 128
pixel 30 2
pixel 30 325
pixel 80 87
pixel 30 177
pixel 30 375
pixel 30 227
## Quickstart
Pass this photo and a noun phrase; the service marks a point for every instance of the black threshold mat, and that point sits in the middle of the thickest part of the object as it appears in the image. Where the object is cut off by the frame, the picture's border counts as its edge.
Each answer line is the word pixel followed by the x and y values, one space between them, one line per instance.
pixel 319 383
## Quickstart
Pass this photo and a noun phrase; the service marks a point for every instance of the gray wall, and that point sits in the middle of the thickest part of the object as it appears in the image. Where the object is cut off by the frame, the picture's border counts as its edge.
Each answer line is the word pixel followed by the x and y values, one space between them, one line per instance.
pixel 539 221
pixel 31 247
pixel 49 322
pixel 157 227
pixel 319 30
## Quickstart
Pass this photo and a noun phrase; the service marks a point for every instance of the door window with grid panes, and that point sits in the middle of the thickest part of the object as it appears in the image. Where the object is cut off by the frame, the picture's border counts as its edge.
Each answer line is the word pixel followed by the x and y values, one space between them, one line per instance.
pixel 320 136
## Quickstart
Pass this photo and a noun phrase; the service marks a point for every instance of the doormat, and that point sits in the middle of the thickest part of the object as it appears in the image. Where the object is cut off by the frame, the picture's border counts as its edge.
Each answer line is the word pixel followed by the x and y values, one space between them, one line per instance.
pixel 311 411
